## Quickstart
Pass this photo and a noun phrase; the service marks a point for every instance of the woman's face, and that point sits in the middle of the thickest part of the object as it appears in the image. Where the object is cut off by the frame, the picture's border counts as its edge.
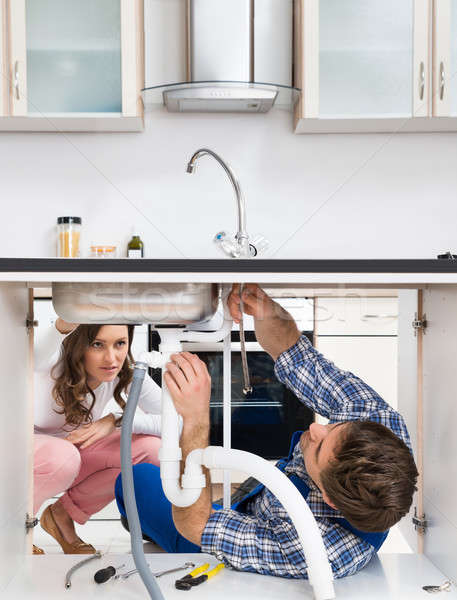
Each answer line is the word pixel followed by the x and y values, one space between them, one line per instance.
pixel 105 356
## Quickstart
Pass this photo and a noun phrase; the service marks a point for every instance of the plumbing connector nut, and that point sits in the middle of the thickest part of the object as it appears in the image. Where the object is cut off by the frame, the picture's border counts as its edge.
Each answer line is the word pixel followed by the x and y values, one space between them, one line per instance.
pixel 170 454
pixel 193 481
pixel 154 359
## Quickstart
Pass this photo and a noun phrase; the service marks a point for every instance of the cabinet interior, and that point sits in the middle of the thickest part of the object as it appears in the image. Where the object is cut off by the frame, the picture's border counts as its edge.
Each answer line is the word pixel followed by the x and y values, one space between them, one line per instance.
pixel 425 386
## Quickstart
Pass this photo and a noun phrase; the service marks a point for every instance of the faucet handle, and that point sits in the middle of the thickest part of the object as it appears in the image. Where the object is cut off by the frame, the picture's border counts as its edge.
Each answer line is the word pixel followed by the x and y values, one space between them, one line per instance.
pixel 227 243
pixel 258 245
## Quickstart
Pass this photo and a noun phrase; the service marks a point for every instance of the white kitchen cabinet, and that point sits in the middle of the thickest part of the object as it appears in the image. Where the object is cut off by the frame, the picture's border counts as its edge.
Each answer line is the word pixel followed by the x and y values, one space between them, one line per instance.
pixel 74 66
pixel 445 58
pixel 16 444
pixel 359 334
pixel 453 61
pixel 389 577
pixel 365 65
pixel 373 359
pixel 356 315
pixel 3 80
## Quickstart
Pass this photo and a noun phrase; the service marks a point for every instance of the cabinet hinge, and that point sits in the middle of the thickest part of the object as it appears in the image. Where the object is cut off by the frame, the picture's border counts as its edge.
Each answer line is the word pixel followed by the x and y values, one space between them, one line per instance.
pixel 30 324
pixel 420 523
pixel 30 522
pixel 419 324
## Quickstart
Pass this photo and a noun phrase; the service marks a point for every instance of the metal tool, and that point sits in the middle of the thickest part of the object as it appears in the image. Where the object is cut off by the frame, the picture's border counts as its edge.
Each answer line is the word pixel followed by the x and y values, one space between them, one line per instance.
pixel 190 580
pixel 68 576
pixel 104 574
pixel 123 576
pixel 433 589
pixel 247 388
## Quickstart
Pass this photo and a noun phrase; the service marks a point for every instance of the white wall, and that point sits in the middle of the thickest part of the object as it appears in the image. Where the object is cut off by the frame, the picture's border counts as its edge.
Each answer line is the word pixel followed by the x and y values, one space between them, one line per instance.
pixel 381 196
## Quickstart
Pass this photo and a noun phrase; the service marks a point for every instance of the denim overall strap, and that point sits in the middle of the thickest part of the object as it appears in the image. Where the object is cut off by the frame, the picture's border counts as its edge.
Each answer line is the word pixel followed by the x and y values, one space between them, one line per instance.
pixel 240 506
pixel 375 539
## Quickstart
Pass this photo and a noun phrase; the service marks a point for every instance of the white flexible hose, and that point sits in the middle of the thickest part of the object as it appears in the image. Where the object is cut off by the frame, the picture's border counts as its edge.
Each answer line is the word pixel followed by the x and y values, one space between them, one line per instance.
pixel 319 571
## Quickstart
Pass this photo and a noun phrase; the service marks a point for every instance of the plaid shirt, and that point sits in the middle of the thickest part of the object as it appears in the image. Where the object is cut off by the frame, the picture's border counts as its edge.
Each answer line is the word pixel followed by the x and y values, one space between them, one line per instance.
pixel 263 540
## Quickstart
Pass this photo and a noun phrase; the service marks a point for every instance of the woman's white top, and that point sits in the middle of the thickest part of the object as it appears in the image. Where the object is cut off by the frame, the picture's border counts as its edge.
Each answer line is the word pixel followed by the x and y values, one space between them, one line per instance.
pixel 49 422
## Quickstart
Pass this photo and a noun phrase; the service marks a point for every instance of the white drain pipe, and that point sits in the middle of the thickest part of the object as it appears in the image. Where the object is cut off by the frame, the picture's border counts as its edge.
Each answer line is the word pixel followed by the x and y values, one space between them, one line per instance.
pixel 320 573
pixel 170 454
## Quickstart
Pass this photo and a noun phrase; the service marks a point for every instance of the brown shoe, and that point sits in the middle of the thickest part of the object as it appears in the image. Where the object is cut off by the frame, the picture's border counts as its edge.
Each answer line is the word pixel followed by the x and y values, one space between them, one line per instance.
pixel 37 550
pixel 48 523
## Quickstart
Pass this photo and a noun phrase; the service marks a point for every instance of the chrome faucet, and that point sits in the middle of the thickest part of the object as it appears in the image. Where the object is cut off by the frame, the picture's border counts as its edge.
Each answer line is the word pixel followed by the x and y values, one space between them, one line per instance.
pixel 240 246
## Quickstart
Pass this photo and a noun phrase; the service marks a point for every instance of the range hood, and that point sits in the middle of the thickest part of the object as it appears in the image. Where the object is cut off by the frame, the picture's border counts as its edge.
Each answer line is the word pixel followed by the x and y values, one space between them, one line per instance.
pixel 239 58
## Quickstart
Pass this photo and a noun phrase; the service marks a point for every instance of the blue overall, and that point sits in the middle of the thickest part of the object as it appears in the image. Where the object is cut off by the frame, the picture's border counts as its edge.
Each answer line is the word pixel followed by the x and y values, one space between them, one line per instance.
pixel 156 520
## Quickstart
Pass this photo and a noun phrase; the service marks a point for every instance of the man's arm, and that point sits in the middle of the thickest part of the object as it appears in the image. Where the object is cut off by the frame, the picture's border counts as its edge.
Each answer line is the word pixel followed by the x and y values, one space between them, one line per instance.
pixel 331 392
pixel 190 386
pixel 268 543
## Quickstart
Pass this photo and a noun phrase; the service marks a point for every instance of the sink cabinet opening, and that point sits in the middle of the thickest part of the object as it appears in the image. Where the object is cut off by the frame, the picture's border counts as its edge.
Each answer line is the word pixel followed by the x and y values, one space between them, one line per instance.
pixel 376 332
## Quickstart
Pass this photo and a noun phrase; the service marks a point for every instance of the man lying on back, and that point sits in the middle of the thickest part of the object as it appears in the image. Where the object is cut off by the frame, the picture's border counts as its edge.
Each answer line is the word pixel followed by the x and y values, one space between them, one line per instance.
pixel 357 473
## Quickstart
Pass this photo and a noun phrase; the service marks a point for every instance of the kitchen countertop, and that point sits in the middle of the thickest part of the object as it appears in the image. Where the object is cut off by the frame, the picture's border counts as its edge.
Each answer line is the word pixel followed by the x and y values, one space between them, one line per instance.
pixel 303 272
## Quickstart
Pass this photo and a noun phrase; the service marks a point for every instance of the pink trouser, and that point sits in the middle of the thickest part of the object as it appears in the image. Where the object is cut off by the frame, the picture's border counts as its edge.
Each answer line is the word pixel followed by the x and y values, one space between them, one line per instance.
pixel 86 476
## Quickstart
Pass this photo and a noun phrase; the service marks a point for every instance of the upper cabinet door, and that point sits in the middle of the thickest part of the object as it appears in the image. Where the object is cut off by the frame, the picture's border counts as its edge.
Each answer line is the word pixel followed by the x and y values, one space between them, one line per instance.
pixel 364 60
pixel 3 63
pixel 17 58
pixel 445 58
pixel 73 56
pixel 453 61
pixel 76 59
pixel 365 55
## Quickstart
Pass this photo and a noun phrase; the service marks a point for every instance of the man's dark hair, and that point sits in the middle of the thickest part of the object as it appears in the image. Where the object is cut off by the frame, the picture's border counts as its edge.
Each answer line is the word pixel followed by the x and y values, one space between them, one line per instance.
pixel 372 477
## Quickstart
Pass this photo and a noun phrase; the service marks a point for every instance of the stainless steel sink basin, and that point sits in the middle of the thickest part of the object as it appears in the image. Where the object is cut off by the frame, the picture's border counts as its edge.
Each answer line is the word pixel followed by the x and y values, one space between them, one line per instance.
pixel 158 303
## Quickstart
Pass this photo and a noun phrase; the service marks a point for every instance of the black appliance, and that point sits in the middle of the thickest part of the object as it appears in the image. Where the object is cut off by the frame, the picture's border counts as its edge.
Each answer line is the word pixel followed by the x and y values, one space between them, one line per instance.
pixel 262 422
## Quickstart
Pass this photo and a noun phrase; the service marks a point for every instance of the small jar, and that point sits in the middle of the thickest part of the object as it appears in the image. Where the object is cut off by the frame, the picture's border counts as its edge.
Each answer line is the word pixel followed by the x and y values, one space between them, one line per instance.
pixel 103 251
pixel 68 236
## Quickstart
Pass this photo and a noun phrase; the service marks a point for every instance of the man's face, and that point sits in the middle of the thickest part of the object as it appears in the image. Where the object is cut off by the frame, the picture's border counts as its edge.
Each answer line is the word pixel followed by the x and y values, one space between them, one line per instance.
pixel 318 446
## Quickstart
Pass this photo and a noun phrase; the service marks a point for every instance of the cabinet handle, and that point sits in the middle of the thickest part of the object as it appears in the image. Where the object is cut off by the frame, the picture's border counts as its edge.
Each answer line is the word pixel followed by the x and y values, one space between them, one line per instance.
pixel 368 317
pixel 442 80
pixel 421 80
pixel 16 80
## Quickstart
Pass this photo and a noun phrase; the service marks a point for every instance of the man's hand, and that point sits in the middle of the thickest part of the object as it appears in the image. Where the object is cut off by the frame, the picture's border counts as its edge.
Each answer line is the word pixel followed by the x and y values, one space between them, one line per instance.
pixel 275 329
pixel 255 303
pixel 91 433
pixel 189 383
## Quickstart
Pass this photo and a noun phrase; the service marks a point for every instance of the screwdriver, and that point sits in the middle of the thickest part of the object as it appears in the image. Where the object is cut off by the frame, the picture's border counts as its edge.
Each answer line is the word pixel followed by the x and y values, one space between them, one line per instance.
pixel 104 574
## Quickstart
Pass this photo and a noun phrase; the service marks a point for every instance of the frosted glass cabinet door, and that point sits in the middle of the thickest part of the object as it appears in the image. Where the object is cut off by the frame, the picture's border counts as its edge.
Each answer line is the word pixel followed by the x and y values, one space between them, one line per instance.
pixel 365 58
pixel 73 56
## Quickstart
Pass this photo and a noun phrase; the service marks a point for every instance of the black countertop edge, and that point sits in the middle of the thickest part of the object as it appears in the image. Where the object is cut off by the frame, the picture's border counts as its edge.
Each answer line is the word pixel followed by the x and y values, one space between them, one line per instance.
pixel 146 265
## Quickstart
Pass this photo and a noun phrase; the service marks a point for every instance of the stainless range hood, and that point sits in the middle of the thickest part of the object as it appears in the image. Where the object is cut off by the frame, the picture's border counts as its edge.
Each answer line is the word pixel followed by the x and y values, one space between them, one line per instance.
pixel 220 97
pixel 239 58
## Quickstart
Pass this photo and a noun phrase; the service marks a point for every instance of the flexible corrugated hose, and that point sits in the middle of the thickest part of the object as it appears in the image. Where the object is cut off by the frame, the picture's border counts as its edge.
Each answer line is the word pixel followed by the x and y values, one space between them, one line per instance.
pixel 128 486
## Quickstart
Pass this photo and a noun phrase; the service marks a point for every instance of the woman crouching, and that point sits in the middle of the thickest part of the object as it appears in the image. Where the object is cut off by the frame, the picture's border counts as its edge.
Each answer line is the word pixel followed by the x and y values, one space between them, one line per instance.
pixel 77 443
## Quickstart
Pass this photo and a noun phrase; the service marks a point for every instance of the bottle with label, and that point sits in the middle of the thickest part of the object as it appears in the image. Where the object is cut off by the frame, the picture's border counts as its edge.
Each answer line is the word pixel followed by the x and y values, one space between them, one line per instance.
pixel 135 248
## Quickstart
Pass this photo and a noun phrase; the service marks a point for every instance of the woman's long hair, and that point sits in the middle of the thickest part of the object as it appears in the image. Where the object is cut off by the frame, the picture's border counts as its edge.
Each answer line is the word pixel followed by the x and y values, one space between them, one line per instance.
pixel 70 388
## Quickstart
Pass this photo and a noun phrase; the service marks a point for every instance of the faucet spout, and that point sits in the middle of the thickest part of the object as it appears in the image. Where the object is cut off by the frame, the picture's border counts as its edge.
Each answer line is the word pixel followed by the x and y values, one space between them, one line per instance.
pixel 241 235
